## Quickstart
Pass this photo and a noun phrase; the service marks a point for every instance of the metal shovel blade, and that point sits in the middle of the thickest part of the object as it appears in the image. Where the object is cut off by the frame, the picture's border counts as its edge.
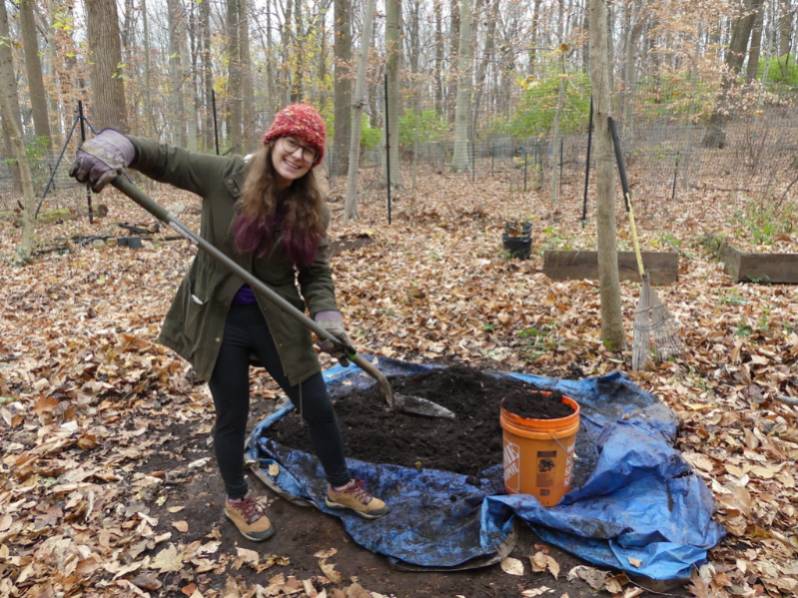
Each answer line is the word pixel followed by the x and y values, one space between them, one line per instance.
pixel 420 406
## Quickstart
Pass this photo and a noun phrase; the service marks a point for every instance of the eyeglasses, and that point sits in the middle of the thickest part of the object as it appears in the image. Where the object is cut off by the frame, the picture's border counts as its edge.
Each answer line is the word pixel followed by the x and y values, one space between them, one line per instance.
pixel 292 145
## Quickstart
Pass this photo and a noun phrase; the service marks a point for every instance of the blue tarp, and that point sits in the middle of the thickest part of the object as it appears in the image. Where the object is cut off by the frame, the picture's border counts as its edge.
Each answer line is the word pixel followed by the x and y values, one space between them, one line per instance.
pixel 636 507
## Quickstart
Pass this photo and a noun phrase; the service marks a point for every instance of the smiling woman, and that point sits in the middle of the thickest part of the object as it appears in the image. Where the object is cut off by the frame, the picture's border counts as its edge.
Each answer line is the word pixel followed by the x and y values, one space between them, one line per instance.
pixel 268 215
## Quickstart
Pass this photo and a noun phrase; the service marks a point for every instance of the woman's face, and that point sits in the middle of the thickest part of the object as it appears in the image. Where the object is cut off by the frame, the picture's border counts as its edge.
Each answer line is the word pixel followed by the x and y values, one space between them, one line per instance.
pixel 292 159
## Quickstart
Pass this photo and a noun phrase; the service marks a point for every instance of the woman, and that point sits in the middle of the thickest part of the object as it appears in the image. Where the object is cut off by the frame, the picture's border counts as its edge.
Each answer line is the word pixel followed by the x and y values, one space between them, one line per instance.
pixel 268 214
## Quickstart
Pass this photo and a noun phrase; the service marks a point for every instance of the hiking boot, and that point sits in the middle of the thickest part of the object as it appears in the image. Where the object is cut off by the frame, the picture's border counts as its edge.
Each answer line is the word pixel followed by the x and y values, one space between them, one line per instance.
pixel 354 496
pixel 249 517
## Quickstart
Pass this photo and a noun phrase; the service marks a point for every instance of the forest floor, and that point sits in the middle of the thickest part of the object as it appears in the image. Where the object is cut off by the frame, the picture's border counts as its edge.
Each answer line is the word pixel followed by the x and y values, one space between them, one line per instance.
pixel 108 485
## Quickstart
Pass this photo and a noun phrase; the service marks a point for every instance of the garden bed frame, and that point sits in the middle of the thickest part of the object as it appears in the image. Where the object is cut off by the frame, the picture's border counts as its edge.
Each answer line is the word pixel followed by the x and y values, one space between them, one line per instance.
pixel 763 268
pixel 662 267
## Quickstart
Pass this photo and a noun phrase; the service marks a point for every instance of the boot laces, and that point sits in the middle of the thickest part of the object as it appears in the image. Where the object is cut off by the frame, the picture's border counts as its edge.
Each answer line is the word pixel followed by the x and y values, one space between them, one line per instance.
pixel 249 507
pixel 358 490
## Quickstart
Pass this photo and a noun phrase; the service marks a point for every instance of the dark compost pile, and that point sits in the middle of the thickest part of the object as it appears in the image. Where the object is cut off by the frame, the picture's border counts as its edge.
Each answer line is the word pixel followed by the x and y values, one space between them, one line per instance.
pixel 537 405
pixel 467 444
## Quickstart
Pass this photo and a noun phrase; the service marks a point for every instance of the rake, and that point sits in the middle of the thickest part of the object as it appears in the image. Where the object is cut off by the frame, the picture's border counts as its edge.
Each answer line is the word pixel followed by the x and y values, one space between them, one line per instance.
pixel 656 334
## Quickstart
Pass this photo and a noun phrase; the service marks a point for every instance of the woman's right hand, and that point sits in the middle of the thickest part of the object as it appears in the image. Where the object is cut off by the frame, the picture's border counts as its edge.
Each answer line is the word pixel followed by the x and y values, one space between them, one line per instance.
pixel 101 159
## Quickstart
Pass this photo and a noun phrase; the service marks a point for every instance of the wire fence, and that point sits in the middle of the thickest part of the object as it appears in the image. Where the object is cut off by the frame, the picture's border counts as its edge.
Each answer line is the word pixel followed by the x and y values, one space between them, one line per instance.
pixel 760 158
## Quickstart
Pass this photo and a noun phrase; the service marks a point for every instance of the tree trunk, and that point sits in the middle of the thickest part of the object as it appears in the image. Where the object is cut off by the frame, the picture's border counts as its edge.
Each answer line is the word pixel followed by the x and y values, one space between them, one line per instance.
pixel 609 286
pixel 437 8
pixel 454 38
pixel 756 45
pixel 533 38
pixel 108 89
pixel 342 88
pixel 234 76
pixel 149 113
pixel 9 86
pixel 715 135
pixel 460 158
pixel 177 114
pixel 207 73
pixel 33 66
pixel 12 121
pixel 393 51
pixel 487 56
pixel 555 126
pixel 350 205
pixel 637 24
pixel 785 27
pixel 250 133
pixel 297 79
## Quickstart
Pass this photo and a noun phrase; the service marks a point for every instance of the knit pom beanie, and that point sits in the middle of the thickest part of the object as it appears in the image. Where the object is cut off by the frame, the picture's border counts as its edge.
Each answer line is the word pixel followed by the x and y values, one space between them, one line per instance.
pixel 303 122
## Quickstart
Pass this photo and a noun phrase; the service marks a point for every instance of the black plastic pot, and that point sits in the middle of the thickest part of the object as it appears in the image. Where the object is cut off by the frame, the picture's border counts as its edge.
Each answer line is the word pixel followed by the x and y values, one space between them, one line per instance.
pixel 517 239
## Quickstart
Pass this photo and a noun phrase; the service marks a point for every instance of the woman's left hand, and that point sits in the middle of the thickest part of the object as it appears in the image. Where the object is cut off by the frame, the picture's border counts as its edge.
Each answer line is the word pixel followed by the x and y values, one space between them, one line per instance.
pixel 332 321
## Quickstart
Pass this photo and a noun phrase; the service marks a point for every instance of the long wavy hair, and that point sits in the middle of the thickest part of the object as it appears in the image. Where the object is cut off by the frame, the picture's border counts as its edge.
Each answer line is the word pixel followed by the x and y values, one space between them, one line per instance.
pixel 266 215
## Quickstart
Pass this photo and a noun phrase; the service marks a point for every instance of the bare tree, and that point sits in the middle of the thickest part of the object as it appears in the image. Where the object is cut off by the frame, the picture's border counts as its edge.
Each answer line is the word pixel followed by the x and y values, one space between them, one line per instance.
pixel 342 88
pixel 9 88
pixel 463 106
pixel 393 51
pixel 107 76
pixel 234 75
pixel 12 119
pixel 609 286
pixel 350 206
pixel 33 66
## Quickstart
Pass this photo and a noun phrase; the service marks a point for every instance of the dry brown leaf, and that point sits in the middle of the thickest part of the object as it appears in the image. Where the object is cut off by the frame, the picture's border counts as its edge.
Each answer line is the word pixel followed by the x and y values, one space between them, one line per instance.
pixel 512 566
pixel 189 589
pixel 168 559
pixel 330 572
pixel 181 526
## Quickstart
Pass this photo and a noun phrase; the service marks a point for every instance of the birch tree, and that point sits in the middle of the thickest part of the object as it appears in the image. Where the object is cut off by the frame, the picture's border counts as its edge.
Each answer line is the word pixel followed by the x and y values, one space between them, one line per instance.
pixel 609 286
pixel 350 205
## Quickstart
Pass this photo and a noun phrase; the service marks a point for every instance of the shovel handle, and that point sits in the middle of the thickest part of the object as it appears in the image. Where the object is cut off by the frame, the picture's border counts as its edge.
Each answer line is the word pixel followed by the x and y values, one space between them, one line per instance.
pixel 126 186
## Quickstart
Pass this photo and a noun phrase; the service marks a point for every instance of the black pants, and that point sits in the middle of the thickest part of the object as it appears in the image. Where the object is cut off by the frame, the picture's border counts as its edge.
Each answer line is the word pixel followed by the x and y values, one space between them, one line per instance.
pixel 245 333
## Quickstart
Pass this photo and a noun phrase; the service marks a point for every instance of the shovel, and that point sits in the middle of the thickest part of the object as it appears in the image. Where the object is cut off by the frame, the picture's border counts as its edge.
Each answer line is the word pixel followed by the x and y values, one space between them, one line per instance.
pixel 406 403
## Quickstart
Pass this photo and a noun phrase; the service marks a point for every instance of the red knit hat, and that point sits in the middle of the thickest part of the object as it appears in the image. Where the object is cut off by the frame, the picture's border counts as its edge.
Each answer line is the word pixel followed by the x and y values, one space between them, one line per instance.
pixel 302 121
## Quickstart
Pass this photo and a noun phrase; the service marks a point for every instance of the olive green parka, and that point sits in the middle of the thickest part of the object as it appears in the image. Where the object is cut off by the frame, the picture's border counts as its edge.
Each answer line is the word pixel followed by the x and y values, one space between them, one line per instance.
pixel 194 324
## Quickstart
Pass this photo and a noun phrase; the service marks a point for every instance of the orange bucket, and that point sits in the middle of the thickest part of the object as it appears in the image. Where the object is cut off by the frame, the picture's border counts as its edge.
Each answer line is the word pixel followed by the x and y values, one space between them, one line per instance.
pixel 538 453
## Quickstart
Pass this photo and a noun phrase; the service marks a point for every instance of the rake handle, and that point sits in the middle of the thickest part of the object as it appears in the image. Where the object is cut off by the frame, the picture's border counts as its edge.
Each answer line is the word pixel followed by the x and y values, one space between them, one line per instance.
pixel 627 196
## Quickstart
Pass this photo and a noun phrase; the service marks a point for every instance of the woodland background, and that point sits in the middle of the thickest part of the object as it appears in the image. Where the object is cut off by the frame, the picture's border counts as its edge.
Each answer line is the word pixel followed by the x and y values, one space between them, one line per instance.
pixel 106 485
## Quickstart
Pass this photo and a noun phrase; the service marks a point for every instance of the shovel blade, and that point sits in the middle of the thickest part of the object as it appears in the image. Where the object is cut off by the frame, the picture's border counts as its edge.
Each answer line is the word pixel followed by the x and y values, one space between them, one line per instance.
pixel 420 406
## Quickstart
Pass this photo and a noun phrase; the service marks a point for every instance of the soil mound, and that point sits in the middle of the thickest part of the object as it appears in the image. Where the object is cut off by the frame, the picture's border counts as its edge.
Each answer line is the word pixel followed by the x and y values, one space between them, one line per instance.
pixel 464 445
pixel 537 405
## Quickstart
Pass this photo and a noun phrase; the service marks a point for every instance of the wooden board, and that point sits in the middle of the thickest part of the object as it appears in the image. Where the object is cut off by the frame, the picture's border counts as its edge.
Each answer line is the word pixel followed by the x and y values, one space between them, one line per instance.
pixel 662 266
pixel 766 268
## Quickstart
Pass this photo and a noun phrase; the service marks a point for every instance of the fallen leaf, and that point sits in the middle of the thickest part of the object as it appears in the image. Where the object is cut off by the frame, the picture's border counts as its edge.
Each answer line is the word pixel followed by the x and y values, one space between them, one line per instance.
pixel 273 470
pixel 181 526
pixel 634 562
pixel 147 582
pixel 542 562
pixel 189 589
pixel 169 559
pixel 512 566
pixel 326 553
pixel 593 577
pixel 175 509
pixel 329 571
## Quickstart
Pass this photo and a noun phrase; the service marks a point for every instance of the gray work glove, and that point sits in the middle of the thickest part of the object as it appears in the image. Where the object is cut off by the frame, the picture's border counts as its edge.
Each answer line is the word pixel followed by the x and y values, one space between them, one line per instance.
pixel 100 159
pixel 332 321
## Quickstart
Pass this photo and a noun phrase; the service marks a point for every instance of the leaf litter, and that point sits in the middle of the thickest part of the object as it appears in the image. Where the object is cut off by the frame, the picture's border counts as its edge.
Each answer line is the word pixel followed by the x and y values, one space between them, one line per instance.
pixel 87 395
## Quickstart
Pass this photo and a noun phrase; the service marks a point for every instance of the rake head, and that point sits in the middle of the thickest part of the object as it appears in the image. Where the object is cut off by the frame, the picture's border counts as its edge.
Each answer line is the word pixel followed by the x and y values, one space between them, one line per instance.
pixel 656 335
